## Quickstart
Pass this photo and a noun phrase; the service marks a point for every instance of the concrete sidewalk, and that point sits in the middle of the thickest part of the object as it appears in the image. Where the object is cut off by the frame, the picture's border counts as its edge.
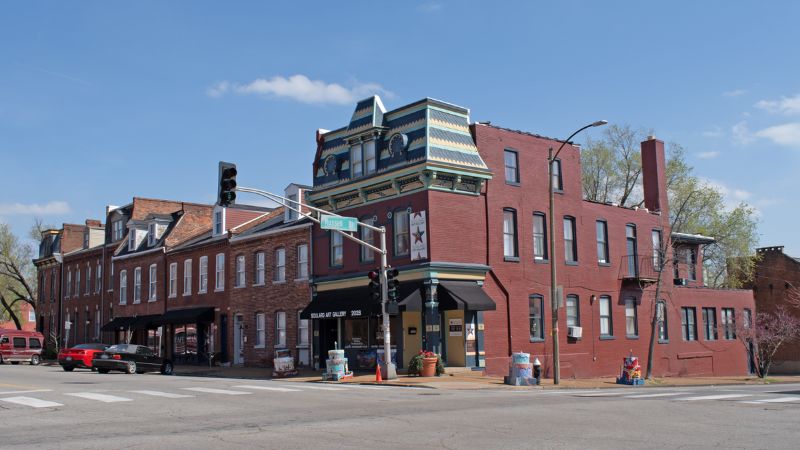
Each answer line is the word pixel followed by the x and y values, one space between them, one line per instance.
pixel 475 380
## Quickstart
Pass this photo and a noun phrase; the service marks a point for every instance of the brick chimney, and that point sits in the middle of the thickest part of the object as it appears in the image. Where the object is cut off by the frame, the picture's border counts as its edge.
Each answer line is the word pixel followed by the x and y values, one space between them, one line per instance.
pixel 654 180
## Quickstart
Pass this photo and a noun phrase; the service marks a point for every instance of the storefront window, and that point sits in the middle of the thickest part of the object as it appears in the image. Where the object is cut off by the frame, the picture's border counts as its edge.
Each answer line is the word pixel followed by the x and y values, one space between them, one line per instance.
pixel 355 333
pixel 185 341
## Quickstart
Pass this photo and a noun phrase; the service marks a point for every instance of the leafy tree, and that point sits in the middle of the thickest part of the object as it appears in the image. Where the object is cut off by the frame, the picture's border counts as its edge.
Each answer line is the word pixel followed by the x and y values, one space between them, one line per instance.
pixel 18 282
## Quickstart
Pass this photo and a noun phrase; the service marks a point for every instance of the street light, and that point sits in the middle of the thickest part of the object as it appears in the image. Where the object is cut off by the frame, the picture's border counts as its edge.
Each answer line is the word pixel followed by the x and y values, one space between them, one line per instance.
pixel 553 300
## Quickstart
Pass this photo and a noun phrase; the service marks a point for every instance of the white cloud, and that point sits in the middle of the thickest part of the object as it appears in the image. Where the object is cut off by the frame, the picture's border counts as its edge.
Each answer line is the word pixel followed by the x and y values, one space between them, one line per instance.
pixel 430 7
pixel 708 155
pixel 715 133
pixel 741 133
pixel 302 89
pixel 786 105
pixel 734 93
pixel 50 208
pixel 787 134
pixel 732 197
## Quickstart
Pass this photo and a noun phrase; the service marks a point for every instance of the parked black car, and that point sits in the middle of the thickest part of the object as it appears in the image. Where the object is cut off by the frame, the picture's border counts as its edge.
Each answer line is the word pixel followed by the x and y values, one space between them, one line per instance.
pixel 131 358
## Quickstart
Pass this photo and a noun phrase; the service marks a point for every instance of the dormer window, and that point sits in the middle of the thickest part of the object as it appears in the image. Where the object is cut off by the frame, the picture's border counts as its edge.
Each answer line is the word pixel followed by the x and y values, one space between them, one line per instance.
pixel 132 239
pixel 151 234
pixel 369 157
pixel 356 161
pixel 292 214
pixel 116 230
pixel 218 222
pixel 86 239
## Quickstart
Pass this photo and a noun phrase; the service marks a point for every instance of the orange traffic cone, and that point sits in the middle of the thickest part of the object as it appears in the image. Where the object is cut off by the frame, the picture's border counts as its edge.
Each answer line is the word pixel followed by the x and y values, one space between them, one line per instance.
pixel 378 376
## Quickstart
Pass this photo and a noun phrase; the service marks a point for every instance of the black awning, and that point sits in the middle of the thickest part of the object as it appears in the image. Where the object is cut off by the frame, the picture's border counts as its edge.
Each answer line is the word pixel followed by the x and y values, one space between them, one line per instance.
pixel 353 302
pixel 188 315
pixel 413 301
pixel 145 322
pixel 117 323
pixel 466 295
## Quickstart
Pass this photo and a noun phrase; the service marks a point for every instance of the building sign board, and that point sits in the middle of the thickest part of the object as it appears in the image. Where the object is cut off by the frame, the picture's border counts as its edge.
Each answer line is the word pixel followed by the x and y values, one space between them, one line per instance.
pixel 418 225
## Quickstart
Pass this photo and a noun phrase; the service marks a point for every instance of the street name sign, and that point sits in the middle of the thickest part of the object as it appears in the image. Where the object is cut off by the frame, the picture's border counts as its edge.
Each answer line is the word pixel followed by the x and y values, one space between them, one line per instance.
pixel 328 222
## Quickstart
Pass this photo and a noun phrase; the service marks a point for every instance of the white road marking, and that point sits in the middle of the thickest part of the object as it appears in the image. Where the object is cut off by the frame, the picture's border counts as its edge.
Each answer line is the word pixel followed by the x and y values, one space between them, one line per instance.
pixel 24 392
pixel 162 394
pixel 216 391
pixel 713 397
pixel 105 398
pixel 267 388
pixel 665 394
pixel 601 394
pixel 773 400
pixel 32 402
pixel 324 388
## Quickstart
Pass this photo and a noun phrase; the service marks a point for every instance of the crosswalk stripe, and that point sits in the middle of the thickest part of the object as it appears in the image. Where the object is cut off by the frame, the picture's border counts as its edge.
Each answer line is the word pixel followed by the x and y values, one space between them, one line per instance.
pixel 774 400
pixel 216 391
pixel 324 388
pixel 32 402
pixel 665 394
pixel 601 394
pixel 268 388
pixel 24 392
pixel 162 394
pixel 105 398
pixel 714 397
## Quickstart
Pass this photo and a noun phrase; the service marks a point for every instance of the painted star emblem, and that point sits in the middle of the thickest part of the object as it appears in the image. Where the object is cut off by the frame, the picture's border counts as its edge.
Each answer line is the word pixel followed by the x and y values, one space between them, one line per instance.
pixel 418 235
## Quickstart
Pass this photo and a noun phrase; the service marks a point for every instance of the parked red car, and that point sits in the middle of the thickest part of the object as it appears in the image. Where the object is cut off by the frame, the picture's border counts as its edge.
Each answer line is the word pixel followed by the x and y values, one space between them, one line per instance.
pixel 79 356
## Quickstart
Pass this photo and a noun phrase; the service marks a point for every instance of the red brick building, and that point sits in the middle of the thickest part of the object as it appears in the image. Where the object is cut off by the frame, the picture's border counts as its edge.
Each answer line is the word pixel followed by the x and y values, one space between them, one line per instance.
pixel 465 208
pixel 776 279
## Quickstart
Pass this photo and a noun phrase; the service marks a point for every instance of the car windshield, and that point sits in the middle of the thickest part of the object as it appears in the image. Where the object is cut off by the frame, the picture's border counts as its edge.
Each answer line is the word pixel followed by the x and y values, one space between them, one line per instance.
pixel 92 346
pixel 122 348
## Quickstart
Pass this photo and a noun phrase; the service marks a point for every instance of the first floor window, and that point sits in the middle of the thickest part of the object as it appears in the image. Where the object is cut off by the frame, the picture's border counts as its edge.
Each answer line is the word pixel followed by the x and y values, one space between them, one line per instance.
pixel 631 324
pixel 606 328
pixel 280 329
pixel 663 333
pixel 729 323
pixel 260 330
pixel 710 323
pixel 573 311
pixel 689 324
pixel 536 317
pixel 302 331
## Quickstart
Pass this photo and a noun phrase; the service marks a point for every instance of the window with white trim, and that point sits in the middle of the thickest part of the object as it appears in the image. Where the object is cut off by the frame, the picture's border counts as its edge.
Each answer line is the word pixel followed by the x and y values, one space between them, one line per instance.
pixel 123 287
pixel 132 240
pixel 302 262
pixel 137 285
pixel 240 282
pixel 570 243
pixel 280 329
pixel 260 263
pixel 261 335
pixel 539 237
pixel 369 157
pixel 367 235
pixel 401 233
pixel 280 265
pixel 116 230
pixel 218 225
pixel 302 331
pixel 219 275
pixel 631 316
pixel 510 233
pixel 153 281
pixel 606 323
pixel 173 279
pixel 573 311
pixel 203 281
pixel 356 161
pixel 187 277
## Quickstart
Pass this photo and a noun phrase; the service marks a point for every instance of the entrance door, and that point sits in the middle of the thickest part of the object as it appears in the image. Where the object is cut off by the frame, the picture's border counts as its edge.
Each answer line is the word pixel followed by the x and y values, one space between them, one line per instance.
pixel 223 337
pixel 238 339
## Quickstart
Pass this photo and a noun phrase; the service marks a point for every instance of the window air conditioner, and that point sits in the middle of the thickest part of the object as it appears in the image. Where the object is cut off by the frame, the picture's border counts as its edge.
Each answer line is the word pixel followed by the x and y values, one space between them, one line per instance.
pixel 574 332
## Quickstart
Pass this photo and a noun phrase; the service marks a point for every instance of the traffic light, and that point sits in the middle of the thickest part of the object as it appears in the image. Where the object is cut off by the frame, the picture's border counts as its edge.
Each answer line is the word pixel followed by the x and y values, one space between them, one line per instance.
pixel 227 183
pixel 392 282
pixel 375 285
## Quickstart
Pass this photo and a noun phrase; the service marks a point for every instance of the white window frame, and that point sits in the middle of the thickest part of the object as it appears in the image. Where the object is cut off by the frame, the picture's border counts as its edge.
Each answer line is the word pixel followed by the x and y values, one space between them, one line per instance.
pixel 240 274
pixel 401 233
pixel 302 331
pixel 370 159
pixel 219 272
pixel 187 277
pixel 202 282
pixel 219 222
pixel 510 233
pixel 261 330
pixel 539 236
pixel 137 285
pixel 123 287
pixel 280 329
pixel 280 265
pixel 302 262
pixel 356 161
pixel 631 317
pixel 152 281
pixel 117 231
pixel 173 280
pixel 606 317
pixel 260 272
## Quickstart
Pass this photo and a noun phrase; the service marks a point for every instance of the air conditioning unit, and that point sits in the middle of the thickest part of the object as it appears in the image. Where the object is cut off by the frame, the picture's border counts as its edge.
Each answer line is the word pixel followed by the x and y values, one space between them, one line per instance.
pixel 574 332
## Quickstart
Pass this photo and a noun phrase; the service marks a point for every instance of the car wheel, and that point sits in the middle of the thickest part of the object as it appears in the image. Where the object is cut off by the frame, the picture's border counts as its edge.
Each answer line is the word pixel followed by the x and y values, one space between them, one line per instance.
pixel 67 369
pixel 1 359
pixel 35 360
pixel 102 370
pixel 131 367
pixel 166 368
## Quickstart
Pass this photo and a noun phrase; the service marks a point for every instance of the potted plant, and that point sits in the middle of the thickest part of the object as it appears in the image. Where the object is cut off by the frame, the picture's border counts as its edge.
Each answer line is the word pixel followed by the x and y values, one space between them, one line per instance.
pixel 425 364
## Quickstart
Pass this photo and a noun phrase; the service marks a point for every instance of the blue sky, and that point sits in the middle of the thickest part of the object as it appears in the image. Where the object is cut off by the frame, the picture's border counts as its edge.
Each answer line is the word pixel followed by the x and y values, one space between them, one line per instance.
pixel 101 101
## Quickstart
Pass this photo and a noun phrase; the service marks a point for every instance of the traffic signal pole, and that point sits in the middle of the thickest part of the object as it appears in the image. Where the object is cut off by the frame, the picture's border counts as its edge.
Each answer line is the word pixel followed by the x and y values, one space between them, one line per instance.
pixel 389 370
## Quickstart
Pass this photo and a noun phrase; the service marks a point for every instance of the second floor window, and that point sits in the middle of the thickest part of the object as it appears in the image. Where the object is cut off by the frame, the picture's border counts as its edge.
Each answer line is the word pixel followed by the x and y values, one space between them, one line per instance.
pixel 570 243
pixel 173 279
pixel 510 158
pixel 336 249
pixel 573 311
pixel 187 277
pixel 510 233
pixel 219 278
pixel 88 279
pixel 539 237
pixel 602 241
pixel 69 283
pixel 240 271
pixel 77 281
pixel 280 264
pixel 203 281
pixel 123 287
pixel 401 233
pixel 558 185
pixel 98 278
pixel 259 279
pixel 137 285
pixel 367 235
pixel 153 279
pixel 302 261
pixel 658 255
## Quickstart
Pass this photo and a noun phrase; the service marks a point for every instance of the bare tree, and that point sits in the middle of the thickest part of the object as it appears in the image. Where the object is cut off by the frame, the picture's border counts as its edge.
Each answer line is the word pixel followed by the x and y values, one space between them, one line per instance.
pixel 18 282
pixel 767 334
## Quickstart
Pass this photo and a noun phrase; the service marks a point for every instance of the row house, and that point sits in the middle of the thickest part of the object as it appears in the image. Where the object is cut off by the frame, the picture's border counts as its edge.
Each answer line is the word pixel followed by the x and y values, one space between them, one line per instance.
pixel 83 276
pixel 465 207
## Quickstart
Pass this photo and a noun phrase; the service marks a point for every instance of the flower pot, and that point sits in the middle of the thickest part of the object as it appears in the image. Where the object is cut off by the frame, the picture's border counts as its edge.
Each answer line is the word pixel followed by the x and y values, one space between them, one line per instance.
pixel 428 367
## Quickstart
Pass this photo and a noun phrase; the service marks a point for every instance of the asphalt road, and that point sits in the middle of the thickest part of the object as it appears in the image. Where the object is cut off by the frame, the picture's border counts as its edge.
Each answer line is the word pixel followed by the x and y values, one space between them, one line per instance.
pixel 43 407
